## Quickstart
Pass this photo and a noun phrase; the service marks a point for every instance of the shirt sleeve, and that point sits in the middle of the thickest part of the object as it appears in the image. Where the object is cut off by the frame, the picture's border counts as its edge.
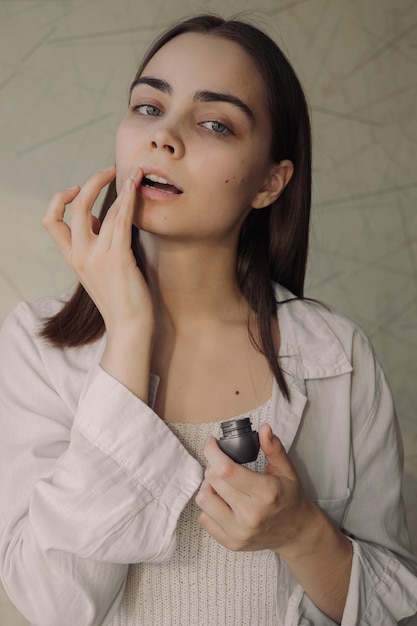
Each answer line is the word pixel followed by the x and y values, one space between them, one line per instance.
pixel 82 493
pixel 383 582
pixel 383 585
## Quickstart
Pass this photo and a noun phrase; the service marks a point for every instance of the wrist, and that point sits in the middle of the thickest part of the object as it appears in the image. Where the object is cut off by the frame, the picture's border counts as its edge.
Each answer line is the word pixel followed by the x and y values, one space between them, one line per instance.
pixel 320 559
pixel 127 357
pixel 130 332
pixel 315 534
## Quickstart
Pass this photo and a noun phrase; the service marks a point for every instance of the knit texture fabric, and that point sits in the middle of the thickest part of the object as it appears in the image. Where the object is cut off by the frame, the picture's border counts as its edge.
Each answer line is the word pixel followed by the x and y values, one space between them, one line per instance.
pixel 203 584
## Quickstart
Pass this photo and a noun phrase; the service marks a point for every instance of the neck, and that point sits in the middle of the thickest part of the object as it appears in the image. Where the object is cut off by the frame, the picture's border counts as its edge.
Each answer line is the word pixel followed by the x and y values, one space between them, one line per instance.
pixel 192 283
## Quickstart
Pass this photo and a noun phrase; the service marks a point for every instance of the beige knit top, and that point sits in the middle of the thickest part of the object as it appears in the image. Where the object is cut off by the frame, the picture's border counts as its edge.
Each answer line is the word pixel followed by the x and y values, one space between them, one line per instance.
pixel 203 584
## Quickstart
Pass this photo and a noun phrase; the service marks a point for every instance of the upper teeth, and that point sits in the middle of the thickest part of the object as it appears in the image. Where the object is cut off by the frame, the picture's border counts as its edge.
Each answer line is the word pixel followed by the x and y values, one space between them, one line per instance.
pixel 157 179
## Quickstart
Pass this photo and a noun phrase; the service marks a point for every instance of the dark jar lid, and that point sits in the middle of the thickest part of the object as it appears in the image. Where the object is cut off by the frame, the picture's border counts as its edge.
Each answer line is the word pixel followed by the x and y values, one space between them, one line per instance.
pixel 239 441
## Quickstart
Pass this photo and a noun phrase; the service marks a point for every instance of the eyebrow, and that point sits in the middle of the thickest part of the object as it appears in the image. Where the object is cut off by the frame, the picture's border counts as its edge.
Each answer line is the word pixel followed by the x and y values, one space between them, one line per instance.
pixel 214 96
pixel 156 83
pixel 199 96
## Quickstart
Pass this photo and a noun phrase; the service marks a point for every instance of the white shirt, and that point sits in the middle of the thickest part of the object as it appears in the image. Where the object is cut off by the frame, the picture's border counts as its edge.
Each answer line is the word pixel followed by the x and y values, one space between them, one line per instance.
pixel 91 479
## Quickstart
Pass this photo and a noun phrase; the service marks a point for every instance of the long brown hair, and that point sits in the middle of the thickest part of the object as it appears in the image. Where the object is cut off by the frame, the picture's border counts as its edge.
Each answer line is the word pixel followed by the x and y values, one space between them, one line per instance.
pixel 273 241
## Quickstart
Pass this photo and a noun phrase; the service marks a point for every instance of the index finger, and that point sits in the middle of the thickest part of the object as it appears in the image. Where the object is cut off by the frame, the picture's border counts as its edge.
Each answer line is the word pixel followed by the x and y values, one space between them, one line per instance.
pixel 82 206
pixel 53 219
pixel 222 472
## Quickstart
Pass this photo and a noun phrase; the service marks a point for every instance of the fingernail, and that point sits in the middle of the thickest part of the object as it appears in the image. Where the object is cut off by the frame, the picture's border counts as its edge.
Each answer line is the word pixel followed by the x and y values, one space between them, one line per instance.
pixel 130 184
pixel 108 169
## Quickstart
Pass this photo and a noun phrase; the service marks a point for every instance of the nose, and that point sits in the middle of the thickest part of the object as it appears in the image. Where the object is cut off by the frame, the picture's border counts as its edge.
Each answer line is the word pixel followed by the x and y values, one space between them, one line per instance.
pixel 164 138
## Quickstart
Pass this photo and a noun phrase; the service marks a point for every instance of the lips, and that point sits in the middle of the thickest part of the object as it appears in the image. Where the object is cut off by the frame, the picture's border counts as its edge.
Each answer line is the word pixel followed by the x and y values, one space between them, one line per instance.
pixel 160 182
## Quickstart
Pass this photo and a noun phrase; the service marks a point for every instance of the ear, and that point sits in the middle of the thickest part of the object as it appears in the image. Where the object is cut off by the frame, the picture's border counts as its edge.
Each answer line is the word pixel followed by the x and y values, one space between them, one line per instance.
pixel 278 177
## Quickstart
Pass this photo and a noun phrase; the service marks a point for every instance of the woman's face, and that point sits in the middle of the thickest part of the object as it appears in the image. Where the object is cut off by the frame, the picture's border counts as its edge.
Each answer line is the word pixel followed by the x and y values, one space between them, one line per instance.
pixel 198 120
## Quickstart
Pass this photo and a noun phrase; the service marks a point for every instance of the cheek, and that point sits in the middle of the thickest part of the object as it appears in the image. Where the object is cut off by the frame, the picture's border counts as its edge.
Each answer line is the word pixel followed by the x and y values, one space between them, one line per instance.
pixel 124 155
pixel 120 178
pixel 237 182
pixel 235 177
pixel 239 177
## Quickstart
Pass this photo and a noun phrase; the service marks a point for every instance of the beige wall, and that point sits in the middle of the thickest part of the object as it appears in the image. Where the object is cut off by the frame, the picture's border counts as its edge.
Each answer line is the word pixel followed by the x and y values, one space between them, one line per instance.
pixel 65 66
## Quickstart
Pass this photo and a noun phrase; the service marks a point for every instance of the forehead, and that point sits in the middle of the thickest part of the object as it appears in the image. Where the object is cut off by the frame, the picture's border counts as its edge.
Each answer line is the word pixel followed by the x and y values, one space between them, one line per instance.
pixel 203 61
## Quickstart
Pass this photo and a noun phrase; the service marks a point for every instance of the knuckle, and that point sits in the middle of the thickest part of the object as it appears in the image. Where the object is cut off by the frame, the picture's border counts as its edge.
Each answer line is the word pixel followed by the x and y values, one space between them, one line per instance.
pixel 271 495
pixel 254 519
pixel 46 221
pixel 122 220
pixel 209 472
pixel 202 498
pixel 271 499
pixel 225 470
pixel 53 205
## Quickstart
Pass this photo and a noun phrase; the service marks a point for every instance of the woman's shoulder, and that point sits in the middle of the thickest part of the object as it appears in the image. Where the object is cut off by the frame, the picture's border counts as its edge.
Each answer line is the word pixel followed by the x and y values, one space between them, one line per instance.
pixel 29 315
pixel 27 358
pixel 319 333
pixel 38 308
pixel 311 312
pixel 27 318
pixel 21 333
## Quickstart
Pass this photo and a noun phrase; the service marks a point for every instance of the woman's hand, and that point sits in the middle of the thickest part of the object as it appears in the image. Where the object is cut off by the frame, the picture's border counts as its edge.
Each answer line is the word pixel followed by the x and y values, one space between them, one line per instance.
pixel 102 257
pixel 244 510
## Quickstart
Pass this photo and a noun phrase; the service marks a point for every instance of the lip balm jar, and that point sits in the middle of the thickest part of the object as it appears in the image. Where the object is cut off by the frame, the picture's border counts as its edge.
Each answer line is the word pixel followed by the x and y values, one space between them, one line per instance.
pixel 239 441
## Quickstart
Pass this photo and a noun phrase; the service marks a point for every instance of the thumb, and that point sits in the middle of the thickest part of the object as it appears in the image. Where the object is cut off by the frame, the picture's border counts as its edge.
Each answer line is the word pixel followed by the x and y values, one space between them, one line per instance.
pixel 278 462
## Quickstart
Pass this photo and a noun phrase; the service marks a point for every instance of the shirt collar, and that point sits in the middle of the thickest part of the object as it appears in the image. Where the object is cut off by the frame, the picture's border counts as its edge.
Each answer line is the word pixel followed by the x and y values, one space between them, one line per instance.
pixel 309 347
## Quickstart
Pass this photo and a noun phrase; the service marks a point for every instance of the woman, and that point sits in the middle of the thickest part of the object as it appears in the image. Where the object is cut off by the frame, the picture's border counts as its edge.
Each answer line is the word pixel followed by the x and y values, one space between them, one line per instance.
pixel 191 284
